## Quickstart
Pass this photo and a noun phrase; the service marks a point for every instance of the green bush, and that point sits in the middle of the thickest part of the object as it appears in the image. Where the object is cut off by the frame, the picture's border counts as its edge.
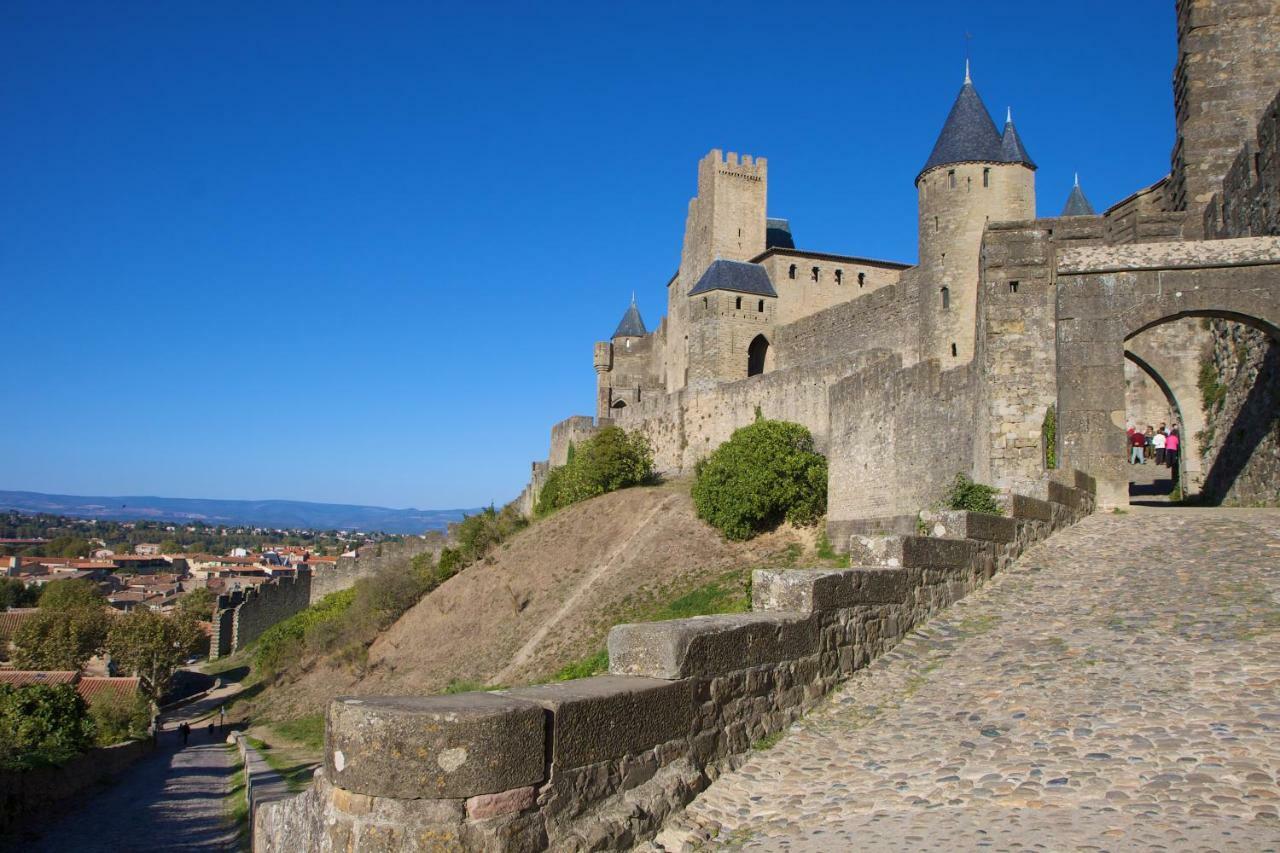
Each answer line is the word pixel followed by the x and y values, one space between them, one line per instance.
pixel 42 724
pixel 284 641
pixel 610 460
pixel 119 718
pixel 763 474
pixel 1049 437
pixel 965 494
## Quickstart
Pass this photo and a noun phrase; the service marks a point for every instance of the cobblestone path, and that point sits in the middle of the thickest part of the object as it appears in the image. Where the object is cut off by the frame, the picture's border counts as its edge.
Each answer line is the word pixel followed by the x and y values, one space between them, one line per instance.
pixel 171 800
pixel 1119 689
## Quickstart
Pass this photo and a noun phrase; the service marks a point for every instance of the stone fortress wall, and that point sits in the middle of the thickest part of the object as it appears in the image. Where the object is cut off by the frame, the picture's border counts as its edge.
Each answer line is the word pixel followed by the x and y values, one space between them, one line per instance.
pixel 599 763
pixel 241 617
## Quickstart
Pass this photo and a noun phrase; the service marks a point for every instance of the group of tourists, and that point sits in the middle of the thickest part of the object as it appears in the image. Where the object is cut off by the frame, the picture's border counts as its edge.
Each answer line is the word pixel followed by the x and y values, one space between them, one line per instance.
pixel 1160 444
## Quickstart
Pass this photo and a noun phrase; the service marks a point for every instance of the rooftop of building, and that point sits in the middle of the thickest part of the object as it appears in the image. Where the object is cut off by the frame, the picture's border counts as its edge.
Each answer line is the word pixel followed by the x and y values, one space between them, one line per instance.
pixel 969 135
pixel 735 276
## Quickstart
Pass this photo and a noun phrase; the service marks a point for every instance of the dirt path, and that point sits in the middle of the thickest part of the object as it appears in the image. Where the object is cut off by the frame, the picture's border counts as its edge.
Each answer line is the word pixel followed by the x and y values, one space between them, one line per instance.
pixel 571 602
pixel 171 800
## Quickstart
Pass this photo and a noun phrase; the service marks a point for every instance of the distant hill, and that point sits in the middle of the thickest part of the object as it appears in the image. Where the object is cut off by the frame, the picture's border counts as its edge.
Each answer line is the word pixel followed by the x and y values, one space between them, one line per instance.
pixel 287 514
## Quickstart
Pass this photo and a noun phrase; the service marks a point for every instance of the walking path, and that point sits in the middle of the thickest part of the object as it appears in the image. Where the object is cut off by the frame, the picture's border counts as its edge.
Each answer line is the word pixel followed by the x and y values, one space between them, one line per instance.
pixel 174 799
pixel 1118 689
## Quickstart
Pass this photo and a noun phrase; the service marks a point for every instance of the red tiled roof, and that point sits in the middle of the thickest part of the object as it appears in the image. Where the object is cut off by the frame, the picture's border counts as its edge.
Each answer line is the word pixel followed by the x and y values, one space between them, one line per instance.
pixel 11 620
pixel 93 687
pixel 21 677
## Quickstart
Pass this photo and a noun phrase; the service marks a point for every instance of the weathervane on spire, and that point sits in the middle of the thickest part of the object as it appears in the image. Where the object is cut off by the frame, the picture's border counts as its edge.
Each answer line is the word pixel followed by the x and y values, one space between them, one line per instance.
pixel 968 37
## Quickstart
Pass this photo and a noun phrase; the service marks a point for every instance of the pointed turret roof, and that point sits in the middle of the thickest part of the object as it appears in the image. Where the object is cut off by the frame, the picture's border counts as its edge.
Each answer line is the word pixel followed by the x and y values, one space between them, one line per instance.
pixel 969 134
pixel 1077 204
pixel 632 325
pixel 1011 147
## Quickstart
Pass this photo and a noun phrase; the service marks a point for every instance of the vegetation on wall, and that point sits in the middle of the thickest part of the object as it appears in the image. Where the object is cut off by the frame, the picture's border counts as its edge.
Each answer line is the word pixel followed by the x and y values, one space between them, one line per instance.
pixel 767 472
pixel 965 494
pixel 345 623
pixel 1049 438
pixel 610 460
pixel 1213 393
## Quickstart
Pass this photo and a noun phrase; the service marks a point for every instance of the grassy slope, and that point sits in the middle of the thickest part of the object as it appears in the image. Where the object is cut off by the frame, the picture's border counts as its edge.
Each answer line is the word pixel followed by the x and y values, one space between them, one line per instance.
pixel 540 606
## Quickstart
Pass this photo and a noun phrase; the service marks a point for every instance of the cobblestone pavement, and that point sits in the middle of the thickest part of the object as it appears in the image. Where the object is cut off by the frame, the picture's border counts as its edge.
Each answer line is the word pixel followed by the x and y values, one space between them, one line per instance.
pixel 171 800
pixel 1118 689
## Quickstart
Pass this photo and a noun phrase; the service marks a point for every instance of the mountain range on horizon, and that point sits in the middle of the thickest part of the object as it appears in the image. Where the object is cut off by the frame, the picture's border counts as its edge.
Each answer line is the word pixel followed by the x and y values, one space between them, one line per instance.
pixel 262 513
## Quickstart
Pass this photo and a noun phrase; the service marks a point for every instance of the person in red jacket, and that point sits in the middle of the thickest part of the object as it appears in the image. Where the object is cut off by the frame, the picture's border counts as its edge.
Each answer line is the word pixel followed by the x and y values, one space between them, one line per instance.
pixel 1137 441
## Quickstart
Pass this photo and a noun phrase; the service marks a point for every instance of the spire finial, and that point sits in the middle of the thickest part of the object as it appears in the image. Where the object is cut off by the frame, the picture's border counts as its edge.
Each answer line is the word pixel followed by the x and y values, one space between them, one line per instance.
pixel 966 71
pixel 1077 179
pixel 633 297
pixel 1008 116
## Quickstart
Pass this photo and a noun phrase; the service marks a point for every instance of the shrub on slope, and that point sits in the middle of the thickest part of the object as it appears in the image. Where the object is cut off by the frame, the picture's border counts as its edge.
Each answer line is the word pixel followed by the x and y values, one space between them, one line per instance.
pixel 765 473
pixel 610 460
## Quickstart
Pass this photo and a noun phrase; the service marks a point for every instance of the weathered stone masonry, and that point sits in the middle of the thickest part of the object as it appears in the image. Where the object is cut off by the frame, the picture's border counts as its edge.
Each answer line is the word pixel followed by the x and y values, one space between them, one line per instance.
pixel 599 763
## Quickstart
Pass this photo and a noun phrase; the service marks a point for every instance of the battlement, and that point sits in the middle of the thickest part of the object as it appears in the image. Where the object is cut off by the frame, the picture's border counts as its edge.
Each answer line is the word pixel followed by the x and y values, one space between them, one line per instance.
pixel 717 162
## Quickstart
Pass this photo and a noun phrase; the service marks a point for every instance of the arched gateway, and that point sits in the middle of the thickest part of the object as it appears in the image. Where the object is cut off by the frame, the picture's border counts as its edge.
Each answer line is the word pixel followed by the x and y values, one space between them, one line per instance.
pixel 1108 295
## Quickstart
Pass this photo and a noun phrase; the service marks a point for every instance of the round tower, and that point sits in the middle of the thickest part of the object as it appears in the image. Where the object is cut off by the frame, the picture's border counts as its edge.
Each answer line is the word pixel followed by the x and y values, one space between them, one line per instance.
pixel 975 175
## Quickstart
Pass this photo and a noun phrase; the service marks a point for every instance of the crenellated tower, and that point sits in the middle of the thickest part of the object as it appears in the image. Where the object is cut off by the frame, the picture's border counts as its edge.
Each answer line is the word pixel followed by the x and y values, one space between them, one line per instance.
pixel 726 220
pixel 975 175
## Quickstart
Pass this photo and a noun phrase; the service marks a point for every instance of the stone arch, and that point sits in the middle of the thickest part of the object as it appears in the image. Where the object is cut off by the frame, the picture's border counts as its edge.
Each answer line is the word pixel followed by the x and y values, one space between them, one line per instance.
pixel 759 356
pixel 1108 295
pixel 1185 456
pixel 618 404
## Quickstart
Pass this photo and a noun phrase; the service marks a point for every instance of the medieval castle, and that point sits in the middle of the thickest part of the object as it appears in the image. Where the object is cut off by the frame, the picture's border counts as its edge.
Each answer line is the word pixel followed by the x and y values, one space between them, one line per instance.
pixel 973 346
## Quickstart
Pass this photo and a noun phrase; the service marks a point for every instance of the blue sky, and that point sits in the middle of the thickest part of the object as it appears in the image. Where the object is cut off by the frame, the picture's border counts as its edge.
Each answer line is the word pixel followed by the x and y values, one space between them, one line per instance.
pixel 359 252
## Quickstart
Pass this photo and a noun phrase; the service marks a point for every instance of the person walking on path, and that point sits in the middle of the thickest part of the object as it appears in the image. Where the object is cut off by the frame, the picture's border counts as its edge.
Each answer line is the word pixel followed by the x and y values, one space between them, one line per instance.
pixel 1157 441
pixel 1148 446
pixel 185 731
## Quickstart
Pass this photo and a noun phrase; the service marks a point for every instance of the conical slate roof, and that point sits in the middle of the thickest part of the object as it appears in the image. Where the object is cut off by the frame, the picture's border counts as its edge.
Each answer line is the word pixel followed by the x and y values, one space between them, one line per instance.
pixel 969 134
pixel 1077 204
pixel 1011 147
pixel 632 325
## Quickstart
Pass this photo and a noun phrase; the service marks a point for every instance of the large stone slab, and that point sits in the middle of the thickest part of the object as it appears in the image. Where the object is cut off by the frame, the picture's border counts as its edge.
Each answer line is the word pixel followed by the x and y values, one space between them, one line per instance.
pixel 959 524
pixel 609 716
pixel 710 645
pixel 923 552
pixel 436 747
pixel 1031 509
pixel 808 590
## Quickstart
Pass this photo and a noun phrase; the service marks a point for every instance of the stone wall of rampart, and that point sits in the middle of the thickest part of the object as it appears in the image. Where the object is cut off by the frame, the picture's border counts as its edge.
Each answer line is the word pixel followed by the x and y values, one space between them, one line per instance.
pixel 600 763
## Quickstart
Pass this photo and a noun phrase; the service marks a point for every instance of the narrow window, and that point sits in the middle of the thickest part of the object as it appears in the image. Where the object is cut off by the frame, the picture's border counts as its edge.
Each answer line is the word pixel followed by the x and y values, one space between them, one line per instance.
pixel 704 302
pixel 953 350
pixel 814 273
pixel 936 226
pixel 951 176
pixel 791 273
pixel 761 307
pixel 946 298
pixel 862 279
pixel 738 303
pixel 1013 287
pixel 986 177
pixel 839 276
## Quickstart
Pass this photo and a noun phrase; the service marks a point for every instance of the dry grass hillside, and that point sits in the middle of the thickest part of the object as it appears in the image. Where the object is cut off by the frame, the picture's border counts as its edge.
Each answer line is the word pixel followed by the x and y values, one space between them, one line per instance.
pixel 548 597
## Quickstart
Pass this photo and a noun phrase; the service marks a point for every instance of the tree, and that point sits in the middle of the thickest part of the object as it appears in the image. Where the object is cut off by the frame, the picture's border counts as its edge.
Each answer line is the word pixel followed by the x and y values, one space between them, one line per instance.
pixel 71 594
pixel 14 593
pixel 152 647
pixel 117 717
pixel 60 639
pixel 199 604
pixel 611 459
pixel 766 472
pixel 42 724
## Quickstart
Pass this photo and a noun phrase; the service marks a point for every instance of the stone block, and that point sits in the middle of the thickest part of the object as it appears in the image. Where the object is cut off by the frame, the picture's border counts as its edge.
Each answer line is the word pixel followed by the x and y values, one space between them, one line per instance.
pixel 1032 509
pixel 516 800
pixel 959 524
pixel 710 645
pixel 610 716
pixel 809 590
pixel 434 747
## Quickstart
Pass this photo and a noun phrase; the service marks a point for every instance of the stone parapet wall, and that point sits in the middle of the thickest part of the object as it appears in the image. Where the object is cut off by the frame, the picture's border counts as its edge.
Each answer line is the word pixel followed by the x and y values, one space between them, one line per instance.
pixel 27 796
pixel 1249 204
pixel 1242 456
pixel 371 559
pixel 601 763
pixel 688 425
pixel 886 318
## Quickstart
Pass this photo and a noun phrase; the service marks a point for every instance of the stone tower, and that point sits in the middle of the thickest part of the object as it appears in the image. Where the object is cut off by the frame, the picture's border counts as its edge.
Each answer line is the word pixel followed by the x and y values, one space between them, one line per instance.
pixel 975 175
pixel 1228 71
pixel 726 220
